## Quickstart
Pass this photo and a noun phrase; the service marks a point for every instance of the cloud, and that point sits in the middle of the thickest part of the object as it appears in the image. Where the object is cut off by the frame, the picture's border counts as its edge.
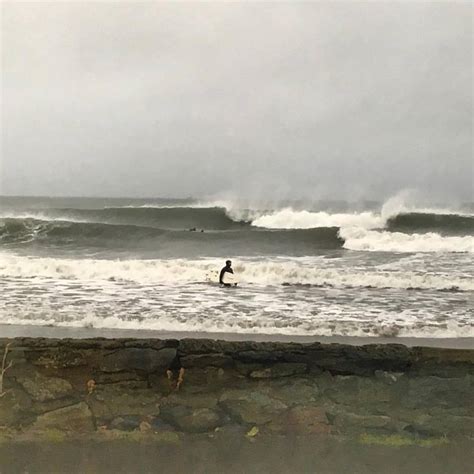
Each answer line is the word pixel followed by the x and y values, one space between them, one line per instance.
pixel 301 100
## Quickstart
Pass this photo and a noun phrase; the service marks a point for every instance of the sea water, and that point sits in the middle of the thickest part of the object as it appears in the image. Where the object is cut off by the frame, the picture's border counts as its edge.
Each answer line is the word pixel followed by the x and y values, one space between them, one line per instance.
pixel 314 269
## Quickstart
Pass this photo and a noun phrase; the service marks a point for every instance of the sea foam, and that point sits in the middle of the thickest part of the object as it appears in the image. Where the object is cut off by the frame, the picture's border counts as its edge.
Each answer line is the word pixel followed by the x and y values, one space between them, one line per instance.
pixel 290 271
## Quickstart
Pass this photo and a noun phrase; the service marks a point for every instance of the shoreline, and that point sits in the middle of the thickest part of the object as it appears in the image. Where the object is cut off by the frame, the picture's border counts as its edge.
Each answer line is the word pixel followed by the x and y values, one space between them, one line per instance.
pixel 13 331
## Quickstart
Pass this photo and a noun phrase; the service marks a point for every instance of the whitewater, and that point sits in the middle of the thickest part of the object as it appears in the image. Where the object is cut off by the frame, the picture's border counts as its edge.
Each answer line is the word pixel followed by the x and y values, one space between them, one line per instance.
pixel 380 270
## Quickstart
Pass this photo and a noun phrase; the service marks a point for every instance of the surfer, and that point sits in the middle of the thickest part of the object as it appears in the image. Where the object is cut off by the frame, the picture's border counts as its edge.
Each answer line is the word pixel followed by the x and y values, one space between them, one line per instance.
pixel 226 269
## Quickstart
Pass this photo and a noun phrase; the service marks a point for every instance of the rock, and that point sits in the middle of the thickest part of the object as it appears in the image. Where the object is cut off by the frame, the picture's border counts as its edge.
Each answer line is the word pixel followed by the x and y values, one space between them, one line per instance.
pixel 110 401
pixel 354 391
pixel 145 427
pixel 279 370
pixel 388 377
pixel 292 391
pixel 301 389
pixel 76 419
pixel 247 368
pixel 191 420
pixel 434 391
pixel 145 360
pixel 359 360
pixel 447 425
pixel 302 420
pixel 442 362
pixel 126 423
pixel 455 411
pixel 39 408
pixel 42 388
pixel 16 355
pixel 192 400
pixel 59 358
pixel 14 406
pixel 207 379
pixel 260 356
pixel 126 386
pixel 199 420
pixel 206 360
pixel 233 432
pixel 158 425
pixel 114 377
pixel 156 344
pixel 251 406
pixel 246 351
pixel 346 422
pixel 204 346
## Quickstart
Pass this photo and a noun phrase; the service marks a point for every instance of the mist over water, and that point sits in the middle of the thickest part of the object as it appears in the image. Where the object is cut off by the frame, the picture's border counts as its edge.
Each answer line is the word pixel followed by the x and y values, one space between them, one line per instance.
pixel 263 102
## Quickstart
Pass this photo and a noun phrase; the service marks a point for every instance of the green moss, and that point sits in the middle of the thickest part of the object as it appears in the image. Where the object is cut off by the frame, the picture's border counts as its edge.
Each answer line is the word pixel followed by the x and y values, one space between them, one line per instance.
pixel 52 436
pixel 5 437
pixel 168 437
pixel 430 442
pixel 396 441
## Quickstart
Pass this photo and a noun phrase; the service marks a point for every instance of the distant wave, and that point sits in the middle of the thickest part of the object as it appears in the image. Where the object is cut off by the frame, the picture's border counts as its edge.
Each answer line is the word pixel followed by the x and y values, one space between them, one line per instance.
pixel 171 217
pixel 429 222
pixel 165 242
pixel 21 230
pixel 271 272
pixel 285 231
pixel 222 218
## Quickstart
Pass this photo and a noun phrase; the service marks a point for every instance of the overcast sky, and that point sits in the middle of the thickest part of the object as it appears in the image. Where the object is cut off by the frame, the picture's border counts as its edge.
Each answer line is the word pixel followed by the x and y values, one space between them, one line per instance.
pixel 338 100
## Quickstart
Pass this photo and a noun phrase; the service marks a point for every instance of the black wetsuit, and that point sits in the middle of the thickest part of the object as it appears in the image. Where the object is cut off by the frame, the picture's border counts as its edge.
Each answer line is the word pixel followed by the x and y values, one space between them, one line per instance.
pixel 224 270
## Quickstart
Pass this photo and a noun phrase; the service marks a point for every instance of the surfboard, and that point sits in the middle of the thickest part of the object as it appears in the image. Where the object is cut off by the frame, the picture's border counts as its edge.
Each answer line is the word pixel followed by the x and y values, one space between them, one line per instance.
pixel 228 278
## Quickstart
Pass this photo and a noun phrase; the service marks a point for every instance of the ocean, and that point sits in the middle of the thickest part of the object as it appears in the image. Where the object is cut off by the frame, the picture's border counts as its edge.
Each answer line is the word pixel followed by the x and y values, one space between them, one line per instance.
pixel 319 269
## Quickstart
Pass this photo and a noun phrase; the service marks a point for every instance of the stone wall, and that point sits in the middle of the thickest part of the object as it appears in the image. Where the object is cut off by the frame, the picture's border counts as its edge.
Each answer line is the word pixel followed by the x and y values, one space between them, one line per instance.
pixel 169 388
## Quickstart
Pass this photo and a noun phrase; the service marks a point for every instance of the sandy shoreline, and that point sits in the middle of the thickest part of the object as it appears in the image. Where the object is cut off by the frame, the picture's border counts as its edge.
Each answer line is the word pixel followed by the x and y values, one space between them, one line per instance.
pixel 10 331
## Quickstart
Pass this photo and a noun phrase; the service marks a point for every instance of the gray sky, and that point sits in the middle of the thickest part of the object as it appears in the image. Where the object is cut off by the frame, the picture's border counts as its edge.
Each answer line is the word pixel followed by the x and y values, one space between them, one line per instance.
pixel 304 100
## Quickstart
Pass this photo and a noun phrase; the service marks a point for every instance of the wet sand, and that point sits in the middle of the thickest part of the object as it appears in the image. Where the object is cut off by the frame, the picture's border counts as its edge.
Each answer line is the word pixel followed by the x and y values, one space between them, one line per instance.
pixel 11 331
pixel 236 456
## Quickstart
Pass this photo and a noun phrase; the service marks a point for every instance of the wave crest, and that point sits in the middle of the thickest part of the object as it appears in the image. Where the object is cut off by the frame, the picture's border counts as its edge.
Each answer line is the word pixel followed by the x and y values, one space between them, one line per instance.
pixel 288 272
pixel 290 219
pixel 374 241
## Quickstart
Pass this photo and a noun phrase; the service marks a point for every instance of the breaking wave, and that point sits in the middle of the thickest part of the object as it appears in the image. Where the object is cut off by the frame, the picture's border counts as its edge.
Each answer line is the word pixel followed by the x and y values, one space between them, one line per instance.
pixel 356 238
pixel 290 219
pixel 294 271
pixel 216 229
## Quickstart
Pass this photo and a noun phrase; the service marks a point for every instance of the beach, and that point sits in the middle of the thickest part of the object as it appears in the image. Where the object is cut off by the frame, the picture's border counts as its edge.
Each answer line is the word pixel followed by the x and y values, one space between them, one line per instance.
pixel 12 331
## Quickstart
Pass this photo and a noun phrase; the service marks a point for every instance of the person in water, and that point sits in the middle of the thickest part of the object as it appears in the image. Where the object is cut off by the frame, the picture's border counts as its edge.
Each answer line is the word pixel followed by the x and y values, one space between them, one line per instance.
pixel 228 269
